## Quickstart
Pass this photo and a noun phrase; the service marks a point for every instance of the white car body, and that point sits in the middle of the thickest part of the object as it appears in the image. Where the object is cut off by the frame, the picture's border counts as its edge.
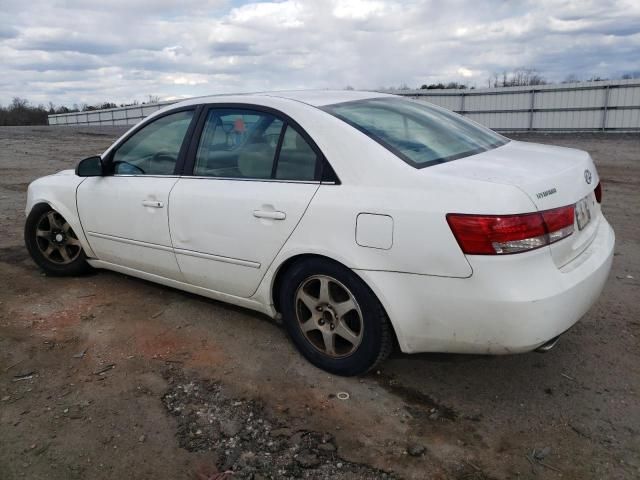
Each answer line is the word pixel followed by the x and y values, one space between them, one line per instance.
pixel 385 220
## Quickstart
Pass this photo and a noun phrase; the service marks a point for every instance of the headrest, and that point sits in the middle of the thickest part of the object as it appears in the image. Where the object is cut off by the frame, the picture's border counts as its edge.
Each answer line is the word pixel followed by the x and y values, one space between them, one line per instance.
pixel 256 161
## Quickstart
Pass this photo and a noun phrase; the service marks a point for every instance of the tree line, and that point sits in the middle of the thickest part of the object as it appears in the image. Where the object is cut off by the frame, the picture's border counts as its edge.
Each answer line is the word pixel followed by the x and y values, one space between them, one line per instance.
pixel 520 77
pixel 21 112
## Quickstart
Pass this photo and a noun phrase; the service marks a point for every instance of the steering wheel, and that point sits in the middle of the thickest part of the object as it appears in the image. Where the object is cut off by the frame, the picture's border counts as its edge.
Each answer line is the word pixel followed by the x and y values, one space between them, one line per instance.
pixel 163 156
pixel 134 169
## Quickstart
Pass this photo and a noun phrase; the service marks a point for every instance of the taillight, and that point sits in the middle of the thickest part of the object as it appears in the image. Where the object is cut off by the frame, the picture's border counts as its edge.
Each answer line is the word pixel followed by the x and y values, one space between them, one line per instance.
pixel 598 192
pixel 501 234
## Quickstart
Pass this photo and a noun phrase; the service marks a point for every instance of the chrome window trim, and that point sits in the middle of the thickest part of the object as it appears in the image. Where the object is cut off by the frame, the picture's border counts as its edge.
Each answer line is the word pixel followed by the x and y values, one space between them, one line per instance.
pixel 235 179
pixel 142 176
pixel 240 179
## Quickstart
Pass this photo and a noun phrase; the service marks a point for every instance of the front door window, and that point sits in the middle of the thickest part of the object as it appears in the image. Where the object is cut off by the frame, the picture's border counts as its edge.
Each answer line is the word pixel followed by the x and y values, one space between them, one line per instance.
pixel 154 149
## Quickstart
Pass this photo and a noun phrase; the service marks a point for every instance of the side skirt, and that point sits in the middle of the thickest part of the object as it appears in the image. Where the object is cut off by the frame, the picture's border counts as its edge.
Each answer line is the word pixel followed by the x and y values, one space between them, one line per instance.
pixel 222 297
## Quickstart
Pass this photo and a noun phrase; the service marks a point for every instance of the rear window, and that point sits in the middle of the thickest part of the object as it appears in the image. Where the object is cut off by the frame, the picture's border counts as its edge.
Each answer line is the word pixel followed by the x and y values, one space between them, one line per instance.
pixel 418 133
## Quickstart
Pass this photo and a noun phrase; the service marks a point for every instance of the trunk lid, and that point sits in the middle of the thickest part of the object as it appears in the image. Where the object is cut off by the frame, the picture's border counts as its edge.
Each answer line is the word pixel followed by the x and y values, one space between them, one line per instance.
pixel 550 176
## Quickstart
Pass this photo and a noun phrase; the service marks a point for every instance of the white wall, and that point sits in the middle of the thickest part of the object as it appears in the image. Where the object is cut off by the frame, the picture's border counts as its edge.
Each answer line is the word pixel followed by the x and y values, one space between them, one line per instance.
pixel 609 105
pixel 110 116
pixel 588 106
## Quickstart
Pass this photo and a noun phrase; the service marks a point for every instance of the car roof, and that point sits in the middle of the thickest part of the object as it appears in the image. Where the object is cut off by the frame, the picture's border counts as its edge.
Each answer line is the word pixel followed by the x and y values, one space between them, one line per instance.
pixel 319 98
pixel 315 98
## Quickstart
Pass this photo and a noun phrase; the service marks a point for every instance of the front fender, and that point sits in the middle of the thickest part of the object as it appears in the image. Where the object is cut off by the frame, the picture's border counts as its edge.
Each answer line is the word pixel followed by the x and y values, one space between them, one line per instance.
pixel 59 191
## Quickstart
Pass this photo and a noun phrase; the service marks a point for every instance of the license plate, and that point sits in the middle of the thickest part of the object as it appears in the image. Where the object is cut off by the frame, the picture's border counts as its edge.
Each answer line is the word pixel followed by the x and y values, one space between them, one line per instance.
pixel 583 212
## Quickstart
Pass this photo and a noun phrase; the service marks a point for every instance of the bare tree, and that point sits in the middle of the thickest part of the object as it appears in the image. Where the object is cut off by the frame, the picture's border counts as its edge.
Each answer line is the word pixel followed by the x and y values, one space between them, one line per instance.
pixel 495 78
pixel 571 78
pixel 19 103
pixel 521 77
pixel 21 113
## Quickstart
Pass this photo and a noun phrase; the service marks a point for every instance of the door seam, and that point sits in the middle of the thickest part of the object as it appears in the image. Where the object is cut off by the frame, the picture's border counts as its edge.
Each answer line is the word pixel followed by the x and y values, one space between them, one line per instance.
pixel 173 247
pixel 285 241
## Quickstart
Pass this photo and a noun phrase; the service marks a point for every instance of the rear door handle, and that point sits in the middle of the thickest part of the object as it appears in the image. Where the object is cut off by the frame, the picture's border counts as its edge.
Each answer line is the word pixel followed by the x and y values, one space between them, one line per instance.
pixel 273 215
pixel 153 204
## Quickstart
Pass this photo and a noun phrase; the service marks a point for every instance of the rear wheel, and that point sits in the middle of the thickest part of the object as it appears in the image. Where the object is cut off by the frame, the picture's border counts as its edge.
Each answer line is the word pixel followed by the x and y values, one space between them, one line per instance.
pixel 333 318
pixel 53 244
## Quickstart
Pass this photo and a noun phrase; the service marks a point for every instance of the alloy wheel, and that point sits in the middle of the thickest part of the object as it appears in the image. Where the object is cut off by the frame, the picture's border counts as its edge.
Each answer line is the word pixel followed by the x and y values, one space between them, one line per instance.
pixel 329 316
pixel 56 240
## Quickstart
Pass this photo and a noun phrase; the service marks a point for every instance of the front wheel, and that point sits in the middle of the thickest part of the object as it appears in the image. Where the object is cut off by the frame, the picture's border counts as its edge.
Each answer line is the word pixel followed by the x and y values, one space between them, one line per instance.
pixel 53 244
pixel 333 318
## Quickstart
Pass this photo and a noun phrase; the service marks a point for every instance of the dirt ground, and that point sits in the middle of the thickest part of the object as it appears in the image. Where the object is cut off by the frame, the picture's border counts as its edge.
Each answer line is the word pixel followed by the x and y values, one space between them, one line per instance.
pixel 108 376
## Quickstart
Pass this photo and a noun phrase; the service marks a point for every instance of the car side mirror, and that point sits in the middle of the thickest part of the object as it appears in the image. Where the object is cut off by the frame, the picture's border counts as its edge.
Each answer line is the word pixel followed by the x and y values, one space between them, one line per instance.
pixel 90 167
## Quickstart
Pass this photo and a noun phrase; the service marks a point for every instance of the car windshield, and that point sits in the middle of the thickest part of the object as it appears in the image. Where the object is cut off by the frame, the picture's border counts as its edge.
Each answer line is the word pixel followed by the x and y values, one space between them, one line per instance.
pixel 418 133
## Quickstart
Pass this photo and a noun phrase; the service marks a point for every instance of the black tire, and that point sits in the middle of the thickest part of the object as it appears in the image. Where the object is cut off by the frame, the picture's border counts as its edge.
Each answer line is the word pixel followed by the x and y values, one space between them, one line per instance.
pixel 77 266
pixel 376 339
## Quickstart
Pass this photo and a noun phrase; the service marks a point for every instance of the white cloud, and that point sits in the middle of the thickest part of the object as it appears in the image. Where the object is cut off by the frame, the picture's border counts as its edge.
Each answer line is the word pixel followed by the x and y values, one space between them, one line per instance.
pixel 359 9
pixel 465 72
pixel 84 52
pixel 281 15
pixel 185 79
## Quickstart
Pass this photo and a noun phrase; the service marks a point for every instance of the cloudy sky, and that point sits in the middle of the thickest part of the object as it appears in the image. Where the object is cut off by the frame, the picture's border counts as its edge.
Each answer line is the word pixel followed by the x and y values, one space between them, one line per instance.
pixel 119 50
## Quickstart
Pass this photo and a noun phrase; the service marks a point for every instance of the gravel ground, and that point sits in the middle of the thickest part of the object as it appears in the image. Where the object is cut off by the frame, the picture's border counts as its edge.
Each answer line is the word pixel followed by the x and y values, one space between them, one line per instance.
pixel 108 376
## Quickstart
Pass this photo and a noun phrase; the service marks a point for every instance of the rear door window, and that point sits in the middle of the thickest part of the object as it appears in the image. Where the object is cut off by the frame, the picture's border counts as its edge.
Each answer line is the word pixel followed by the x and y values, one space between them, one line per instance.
pixel 249 144
pixel 238 144
pixel 297 160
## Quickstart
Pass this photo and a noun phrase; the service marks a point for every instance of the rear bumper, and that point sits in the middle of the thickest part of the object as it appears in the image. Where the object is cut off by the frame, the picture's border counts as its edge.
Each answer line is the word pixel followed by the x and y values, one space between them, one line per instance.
pixel 510 304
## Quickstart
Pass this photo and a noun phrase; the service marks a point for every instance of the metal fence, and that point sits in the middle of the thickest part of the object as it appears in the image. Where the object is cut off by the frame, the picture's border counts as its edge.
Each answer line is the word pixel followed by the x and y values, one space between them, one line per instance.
pixel 609 105
pixel 586 106
pixel 110 116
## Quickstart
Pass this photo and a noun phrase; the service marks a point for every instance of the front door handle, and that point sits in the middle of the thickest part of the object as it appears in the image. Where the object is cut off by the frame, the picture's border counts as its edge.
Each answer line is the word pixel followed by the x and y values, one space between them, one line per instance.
pixel 273 214
pixel 153 204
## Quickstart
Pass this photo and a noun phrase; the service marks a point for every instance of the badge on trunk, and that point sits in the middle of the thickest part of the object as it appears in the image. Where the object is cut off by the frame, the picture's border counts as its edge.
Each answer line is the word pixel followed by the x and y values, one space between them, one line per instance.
pixel 587 176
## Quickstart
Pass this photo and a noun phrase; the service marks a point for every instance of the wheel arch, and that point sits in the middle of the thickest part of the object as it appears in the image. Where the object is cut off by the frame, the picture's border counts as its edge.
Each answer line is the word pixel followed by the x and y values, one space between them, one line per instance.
pixel 69 214
pixel 281 272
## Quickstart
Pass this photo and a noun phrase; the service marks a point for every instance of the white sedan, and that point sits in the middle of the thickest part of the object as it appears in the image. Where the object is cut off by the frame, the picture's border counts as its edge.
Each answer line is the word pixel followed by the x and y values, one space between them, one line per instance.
pixel 365 220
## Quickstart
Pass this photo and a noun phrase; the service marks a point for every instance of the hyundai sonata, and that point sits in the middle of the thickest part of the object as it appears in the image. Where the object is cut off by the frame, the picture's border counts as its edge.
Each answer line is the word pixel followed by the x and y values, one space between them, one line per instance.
pixel 364 220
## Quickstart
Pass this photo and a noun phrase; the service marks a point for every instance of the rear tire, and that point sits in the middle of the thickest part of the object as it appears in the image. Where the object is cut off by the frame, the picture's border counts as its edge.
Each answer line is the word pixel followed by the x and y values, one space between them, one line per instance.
pixel 333 318
pixel 53 244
